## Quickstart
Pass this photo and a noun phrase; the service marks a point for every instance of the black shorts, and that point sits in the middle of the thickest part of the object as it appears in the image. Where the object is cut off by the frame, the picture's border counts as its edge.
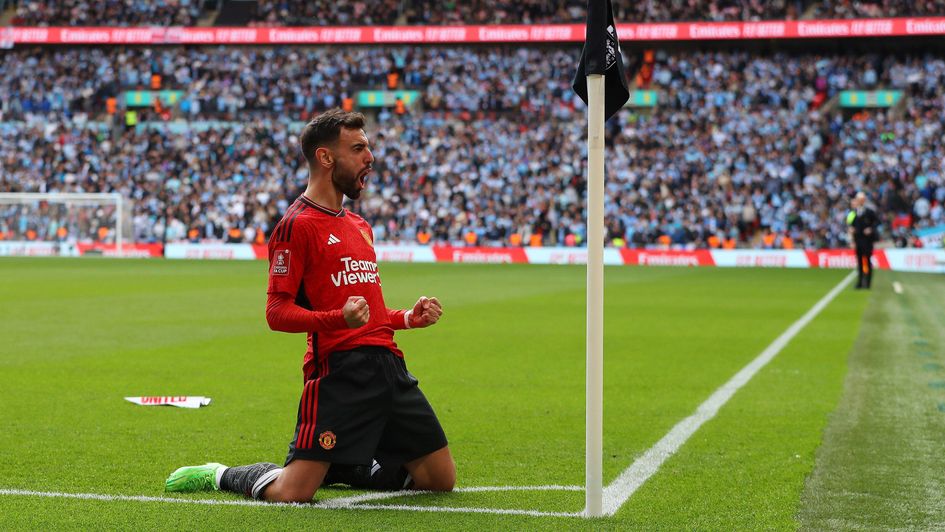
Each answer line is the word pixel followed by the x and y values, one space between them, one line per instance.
pixel 364 405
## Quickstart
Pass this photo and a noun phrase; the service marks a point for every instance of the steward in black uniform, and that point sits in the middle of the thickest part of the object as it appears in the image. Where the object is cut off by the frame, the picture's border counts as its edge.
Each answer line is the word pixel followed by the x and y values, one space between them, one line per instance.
pixel 863 221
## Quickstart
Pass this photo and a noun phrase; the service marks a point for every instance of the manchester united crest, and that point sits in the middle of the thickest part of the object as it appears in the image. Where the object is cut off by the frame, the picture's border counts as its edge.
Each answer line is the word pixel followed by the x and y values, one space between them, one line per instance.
pixel 367 238
pixel 327 440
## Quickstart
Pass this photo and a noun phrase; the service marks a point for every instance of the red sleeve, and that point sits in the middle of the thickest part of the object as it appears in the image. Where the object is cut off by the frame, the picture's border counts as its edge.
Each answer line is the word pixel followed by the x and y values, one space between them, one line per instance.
pixel 284 315
pixel 287 263
pixel 398 319
pixel 288 259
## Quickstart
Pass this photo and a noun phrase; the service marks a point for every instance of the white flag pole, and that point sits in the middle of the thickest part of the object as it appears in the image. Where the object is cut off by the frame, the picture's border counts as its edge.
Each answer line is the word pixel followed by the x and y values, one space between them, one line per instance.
pixel 594 431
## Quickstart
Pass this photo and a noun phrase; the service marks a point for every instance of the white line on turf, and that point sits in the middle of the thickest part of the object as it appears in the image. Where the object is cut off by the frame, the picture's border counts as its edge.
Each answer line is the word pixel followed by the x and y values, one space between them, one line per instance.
pixel 617 493
pixel 381 495
pixel 450 509
pixel 141 498
pixel 550 487
pixel 339 503
pixel 897 287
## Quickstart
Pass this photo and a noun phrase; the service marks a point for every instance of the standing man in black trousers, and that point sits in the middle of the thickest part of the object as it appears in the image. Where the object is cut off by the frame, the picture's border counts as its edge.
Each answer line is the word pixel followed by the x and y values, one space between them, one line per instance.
pixel 862 221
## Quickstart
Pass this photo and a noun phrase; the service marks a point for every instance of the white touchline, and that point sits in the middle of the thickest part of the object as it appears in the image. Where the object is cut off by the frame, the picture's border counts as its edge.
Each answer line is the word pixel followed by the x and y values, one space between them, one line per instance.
pixel 617 493
pixel 339 503
pixel 451 509
pixel 381 495
pixel 140 498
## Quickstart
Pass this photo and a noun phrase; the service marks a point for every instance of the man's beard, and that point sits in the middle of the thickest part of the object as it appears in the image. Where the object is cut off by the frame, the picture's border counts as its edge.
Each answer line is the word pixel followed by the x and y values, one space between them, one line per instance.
pixel 347 184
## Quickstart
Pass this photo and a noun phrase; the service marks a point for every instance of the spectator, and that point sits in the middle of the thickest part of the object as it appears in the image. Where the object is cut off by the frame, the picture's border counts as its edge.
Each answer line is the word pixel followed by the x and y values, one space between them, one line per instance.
pixel 106 13
pixel 739 147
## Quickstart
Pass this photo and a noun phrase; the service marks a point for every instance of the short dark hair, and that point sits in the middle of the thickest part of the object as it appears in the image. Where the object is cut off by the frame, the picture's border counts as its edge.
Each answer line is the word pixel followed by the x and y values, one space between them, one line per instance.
pixel 325 128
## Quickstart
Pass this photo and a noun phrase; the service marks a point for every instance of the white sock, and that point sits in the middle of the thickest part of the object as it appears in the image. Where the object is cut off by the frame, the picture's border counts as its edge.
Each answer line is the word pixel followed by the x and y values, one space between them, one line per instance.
pixel 219 475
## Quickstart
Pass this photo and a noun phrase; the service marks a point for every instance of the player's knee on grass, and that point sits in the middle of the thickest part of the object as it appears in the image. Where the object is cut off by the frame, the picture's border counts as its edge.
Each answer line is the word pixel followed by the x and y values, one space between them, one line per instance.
pixel 434 472
pixel 298 482
pixel 445 481
pixel 296 494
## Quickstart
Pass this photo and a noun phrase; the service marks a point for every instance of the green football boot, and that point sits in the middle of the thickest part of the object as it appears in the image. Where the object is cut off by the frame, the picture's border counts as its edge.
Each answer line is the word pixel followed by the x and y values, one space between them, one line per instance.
pixel 194 478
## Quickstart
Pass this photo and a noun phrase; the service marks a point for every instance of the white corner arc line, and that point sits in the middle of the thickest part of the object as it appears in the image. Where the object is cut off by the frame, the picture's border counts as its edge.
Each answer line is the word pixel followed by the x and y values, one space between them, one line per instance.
pixel 623 487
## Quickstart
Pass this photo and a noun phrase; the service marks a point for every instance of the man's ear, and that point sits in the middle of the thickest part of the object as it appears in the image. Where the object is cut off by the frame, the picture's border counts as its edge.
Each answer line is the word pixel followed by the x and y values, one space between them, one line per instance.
pixel 324 157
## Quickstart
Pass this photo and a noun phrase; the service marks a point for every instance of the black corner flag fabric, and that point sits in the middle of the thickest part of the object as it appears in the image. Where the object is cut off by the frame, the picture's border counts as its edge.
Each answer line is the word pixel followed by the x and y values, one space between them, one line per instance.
pixel 601 55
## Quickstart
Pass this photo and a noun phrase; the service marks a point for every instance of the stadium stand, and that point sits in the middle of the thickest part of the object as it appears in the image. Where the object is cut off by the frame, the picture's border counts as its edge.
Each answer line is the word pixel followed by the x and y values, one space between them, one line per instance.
pixel 746 149
pixel 328 13
pixel 428 12
pixel 742 147
pixel 877 8
pixel 105 13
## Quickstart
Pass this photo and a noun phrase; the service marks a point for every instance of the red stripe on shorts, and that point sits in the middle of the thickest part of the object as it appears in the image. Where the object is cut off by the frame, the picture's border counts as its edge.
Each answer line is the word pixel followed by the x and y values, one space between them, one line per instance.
pixel 309 407
pixel 304 415
pixel 310 432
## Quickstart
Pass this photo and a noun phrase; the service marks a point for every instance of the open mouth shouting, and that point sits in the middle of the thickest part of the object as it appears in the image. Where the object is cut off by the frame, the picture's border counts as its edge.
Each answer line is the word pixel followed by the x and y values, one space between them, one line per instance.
pixel 362 176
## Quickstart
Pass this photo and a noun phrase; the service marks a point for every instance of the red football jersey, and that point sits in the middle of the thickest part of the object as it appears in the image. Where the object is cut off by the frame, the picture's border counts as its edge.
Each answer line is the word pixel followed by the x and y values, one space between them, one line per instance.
pixel 319 258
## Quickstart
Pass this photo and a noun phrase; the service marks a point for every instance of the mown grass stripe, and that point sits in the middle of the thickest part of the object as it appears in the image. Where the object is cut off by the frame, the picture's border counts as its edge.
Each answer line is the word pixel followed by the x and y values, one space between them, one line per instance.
pixel 880 464
pixel 621 489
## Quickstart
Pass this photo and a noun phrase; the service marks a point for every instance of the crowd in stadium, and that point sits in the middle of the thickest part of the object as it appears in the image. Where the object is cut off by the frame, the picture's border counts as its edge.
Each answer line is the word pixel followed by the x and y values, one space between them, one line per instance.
pixel 738 152
pixel 878 8
pixel 221 82
pixel 396 12
pixel 327 13
pixel 388 12
pixel 106 13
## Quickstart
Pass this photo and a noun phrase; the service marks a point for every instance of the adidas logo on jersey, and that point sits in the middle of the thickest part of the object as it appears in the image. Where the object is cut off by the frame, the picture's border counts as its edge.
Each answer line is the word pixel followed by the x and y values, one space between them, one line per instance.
pixel 332 239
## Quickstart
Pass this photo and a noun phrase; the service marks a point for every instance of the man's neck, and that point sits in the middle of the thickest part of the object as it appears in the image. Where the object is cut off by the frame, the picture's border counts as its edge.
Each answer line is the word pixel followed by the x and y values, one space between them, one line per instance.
pixel 326 196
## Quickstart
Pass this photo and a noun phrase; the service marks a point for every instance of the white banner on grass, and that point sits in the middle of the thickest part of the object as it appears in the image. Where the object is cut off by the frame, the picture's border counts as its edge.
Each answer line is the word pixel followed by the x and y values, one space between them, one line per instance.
pixel 182 401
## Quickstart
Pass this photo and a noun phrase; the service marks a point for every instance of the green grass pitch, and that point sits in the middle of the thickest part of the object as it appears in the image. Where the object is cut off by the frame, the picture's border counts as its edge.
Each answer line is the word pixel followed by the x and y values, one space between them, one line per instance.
pixel 795 448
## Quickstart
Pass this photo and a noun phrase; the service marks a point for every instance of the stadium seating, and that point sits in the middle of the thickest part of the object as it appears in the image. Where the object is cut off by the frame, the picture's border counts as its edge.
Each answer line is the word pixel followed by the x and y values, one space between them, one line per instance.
pixel 429 12
pixel 736 150
pixel 875 9
pixel 744 149
pixel 105 13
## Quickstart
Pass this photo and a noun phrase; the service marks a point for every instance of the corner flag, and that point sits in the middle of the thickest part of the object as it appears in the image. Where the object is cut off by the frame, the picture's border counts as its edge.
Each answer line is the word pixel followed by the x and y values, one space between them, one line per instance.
pixel 601 55
pixel 600 82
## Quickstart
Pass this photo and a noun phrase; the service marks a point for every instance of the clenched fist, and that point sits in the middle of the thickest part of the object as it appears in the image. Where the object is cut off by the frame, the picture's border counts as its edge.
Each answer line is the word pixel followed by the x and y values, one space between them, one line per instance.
pixel 356 312
pixel 426 312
